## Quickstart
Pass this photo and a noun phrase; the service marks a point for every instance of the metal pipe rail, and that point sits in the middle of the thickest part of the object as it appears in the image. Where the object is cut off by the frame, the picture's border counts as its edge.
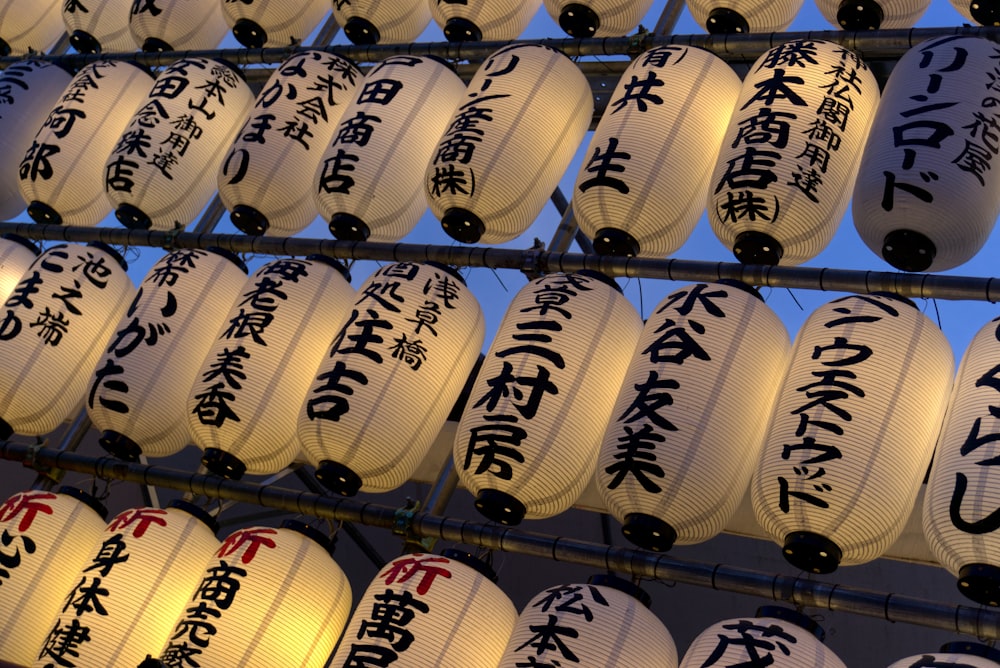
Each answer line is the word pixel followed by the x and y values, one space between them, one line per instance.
pixel 980 622
pixel 925 286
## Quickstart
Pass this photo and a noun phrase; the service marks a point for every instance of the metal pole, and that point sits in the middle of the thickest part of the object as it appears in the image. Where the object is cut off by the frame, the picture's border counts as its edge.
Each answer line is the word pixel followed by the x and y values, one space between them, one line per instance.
pixel 668 19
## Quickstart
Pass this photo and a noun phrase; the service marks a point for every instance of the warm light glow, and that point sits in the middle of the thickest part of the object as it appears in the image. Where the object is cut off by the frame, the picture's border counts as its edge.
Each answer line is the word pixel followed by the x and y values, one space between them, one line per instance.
pixel 98 26
pixel 35 25
pixel 16 255
pixel 177 25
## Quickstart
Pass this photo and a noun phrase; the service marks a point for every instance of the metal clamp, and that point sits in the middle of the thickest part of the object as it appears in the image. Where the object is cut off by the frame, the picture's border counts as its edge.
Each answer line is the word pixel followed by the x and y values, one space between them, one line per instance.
pixel 402 525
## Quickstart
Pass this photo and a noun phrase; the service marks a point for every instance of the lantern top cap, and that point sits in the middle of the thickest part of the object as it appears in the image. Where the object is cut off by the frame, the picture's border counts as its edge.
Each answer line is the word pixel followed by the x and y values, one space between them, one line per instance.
pixel 87 499
pixel 452 271
pixel 622 585
pixel 231 256
pixel 310 532
pixel 972 649
pixel 793 617
pixel 331 261
pixel 894 296
pixel 745 287
pixel 195 511
pixel 604 278
pixel 27 243
pixel 472 561
pixel 110 250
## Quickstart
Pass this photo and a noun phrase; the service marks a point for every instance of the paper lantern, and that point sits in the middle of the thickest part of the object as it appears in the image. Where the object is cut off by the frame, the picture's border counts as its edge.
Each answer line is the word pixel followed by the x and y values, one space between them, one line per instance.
pixel 33 26
pixel 606 622
pixel 960 515
pixel 954 655
pixel 428 610
pixel 383 21
pixel 273 23
pixel 524 116
pixel 686 429
pixel 133 588
pixel 873 14
pixel 54 327
pixel 45 539
pixel 159 174
pixel 929 158
pixel 370 184
pixel 269 597
pixel 776 637
pixel 30 90
pixel 528 440
pixel 62 172
pixel 983 12
pixel 243 405
pixel 395 368
pixel 16 255
pixel 744 16
pixel 98 26
pixel 852 431
pixel 597 18
pixel 784 175
pixel 139 387
pixel 642 189
pixel 177 25
pixel 483 20
pixel 265 180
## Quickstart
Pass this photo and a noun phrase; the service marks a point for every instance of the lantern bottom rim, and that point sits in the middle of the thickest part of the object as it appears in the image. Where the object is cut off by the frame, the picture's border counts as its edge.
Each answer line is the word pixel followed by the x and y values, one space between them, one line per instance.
pixel 223 463
pixel 860 15
pixel 457 29
pixel 984 12
pixel 578 20
pixel 155 45
pixel 348 227
pixel 119 445
pixel 724 21
pixel 361 31
pixel 500 507
pixel 249 33
pixel 472 561
pixel 4 47
pixel 249 220
pixel 811 552
pixel 338 478
pixel 463 225
pixel 6 431
pixel 42 213
pixel 801 620
pixel 972 649
pixel 648 532
pixel 84 42
pixel 980 583
pixel 908 250
pixel 133 217
pixel 613 241
pixel 752 247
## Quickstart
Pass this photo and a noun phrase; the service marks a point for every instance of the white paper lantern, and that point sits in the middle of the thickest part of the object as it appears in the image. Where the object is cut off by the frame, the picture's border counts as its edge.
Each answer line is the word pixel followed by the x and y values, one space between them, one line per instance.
pixel 528 440
pixel 54 327
pixel 123 604
pixel 273 23
pixel 958 654
pixel 441 611
pixel 597 18
pixel 244 403
pixel 370 184
pixel 98 26
pixel 929 157
pixel 16 255
pixel 643 187
pixel 784 175
pixel 852 431
pixel 45 539
pixel 35 25
pixel 394 370
pixel 139 387
pixel 983 12
pixel 177 25
pixel 686 429
pixel 873 14
pixel 383 21
pixel 483 20
pixel 524 116
pixel 776 637
pixel 744 16
pixel 159 174
pixel 266 178
pixel 62 172
pixel 604 623
pixel 269 597
pixel 29 91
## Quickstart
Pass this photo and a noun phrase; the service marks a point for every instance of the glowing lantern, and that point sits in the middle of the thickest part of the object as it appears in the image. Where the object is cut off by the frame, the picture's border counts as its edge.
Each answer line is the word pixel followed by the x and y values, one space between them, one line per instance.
pixel 744 16
pixel 98 26
pixel 505 151
pixel 35 25
pixel 159 174
pixel 604 623
pixel 177 25
pixel 483 20
pixel 597 18
pixel 925 159
pixel 852 431
pixel 265 179
pixel 31 88
pixel 954 655
pixel 446 610
pixel 46 539
pixel 243 405
pixel 273 23
pixel 288 604
pixel 685 432
pixel 784 175
pixel 62 172
pixel 983 12
pixel 54 327
pixel 873 14
pixel 133 587
pixel 140 384
pixel 383 21
pixel 777 637
pixel 370 182
pixel 642 190
pixel 394 370
pixel 528 440
pixel 16 255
